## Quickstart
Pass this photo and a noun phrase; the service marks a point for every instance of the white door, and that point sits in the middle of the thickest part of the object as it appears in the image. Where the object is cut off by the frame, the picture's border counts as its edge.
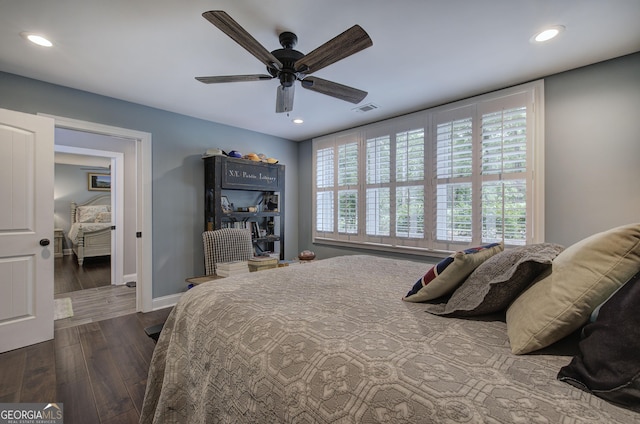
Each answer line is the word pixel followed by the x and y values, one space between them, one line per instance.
pixel 26 229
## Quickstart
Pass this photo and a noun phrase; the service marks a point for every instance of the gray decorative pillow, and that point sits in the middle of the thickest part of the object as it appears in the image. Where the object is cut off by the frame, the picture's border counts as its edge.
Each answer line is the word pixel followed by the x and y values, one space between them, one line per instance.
pixel 498 281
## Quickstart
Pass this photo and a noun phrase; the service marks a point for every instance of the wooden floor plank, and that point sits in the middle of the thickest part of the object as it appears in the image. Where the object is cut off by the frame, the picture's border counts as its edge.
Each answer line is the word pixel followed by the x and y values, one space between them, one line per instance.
pixel 66 337
pixel 11 373
pixel 64 277
pixel 10 397
pixel 122 339
pixel 112 398
pixel 136 389
pixel 70 364
pixel 79 403
pixel 153 318
pixel 74 386
pixel 39 381
pixel 148 320
pixel 130 417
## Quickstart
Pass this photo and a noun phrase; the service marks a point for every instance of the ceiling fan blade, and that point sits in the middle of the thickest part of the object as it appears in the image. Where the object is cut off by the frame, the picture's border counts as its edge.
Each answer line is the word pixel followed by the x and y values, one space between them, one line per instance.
pixel 284 99
pixel 226 24
pixel 234 78
pixel 349 42
pixel 333 89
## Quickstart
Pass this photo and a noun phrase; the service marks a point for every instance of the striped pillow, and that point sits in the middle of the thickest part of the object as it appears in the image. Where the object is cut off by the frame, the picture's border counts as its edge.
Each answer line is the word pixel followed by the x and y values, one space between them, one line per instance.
pixel 444 277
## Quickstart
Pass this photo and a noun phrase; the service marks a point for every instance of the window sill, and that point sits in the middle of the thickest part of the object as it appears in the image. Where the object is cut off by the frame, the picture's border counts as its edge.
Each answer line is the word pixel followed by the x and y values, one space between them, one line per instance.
pixel 408 250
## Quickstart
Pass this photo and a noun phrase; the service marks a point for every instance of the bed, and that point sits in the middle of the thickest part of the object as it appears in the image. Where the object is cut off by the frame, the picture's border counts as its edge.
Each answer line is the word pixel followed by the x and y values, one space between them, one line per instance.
pixel 333 341
pixel 90 232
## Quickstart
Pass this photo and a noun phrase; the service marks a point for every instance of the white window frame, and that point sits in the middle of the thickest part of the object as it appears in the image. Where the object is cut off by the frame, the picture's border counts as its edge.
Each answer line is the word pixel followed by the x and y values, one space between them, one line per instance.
pixel 530 95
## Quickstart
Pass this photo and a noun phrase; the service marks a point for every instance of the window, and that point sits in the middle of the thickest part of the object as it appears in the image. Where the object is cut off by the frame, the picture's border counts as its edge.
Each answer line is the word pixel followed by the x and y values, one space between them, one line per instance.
pixel 438 180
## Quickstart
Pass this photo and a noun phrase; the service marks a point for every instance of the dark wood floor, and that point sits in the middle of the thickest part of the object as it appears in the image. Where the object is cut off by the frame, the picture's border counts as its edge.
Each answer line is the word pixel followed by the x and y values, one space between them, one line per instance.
pixel 97 370
pixel 70 277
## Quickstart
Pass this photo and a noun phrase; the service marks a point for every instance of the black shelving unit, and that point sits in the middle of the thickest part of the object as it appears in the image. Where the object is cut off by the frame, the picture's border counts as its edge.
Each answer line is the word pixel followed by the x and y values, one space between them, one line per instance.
pixel 246 194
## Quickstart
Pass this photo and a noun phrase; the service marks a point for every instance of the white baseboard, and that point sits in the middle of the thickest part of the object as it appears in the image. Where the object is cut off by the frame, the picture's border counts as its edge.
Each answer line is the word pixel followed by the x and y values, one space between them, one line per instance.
pixel 165 301
pixel 129 277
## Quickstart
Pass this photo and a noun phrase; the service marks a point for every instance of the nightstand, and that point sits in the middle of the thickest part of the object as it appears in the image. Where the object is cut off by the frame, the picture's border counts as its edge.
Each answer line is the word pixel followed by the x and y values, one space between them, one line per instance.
pixel 58 235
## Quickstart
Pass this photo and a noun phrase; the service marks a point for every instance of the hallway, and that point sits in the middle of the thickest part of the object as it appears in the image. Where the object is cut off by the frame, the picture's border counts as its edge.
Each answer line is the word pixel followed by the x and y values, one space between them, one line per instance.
pixel 92 296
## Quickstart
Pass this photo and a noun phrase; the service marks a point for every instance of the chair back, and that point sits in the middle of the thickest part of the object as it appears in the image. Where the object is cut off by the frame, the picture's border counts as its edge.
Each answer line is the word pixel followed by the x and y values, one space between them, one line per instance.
pixel 226 245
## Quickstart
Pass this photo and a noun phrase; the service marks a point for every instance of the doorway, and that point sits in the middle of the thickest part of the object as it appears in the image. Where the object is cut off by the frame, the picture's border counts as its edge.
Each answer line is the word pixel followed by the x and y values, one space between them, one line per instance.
pixel 134 209
pixel 87 289
pixel 74 168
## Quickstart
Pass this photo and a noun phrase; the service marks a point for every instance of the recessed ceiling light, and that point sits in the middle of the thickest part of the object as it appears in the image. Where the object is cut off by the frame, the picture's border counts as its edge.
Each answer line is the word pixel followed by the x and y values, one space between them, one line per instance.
pixel 36 39
pixel 547 34
pixel 297 121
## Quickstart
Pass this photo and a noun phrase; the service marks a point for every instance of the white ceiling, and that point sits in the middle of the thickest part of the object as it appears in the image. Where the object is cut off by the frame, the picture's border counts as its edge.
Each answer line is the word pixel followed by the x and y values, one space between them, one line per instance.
pixel 424 53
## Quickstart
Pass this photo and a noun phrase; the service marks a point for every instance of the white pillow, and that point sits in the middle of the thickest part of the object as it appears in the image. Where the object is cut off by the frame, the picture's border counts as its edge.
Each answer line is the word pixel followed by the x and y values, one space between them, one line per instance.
pixel 103 217
pixel 90 213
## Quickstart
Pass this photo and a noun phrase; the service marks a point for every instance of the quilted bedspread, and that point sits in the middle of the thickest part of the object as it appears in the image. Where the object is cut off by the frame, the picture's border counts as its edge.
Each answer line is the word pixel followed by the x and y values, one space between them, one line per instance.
pixel 86 228
pixel 332 342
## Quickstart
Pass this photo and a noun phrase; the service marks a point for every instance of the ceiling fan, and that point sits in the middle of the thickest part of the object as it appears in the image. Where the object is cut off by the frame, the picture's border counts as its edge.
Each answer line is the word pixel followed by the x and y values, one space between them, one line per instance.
pixel 289 65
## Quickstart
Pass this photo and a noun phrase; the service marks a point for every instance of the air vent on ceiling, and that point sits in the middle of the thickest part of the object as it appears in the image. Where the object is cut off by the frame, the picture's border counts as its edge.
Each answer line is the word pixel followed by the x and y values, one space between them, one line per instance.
pixel 366 108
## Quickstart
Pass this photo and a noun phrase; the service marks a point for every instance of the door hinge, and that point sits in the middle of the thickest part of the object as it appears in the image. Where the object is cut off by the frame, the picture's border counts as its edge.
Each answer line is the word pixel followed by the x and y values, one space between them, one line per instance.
pixel 113 227
pixel 139 234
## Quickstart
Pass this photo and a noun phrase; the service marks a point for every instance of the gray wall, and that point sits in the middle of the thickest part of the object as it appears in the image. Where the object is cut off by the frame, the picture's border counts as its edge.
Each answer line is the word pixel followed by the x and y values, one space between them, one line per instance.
pixel 592 152
pixel 177 145
pixel 592 155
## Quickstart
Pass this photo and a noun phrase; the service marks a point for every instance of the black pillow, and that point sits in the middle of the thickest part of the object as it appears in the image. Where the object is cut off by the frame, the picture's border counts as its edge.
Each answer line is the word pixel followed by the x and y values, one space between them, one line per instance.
pixel 609 361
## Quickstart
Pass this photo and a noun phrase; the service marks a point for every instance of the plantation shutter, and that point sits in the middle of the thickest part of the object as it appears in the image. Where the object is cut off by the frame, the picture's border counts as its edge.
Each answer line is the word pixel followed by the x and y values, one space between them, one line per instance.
pixel 378 177
pixel 504 173
pixel 348 188
pixel 410 192
pixel 324 165
pixel 454 171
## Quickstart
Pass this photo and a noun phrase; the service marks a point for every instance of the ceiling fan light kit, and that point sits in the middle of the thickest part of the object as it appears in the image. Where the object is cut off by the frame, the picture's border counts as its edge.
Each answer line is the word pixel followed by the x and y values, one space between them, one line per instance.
pixel 289 65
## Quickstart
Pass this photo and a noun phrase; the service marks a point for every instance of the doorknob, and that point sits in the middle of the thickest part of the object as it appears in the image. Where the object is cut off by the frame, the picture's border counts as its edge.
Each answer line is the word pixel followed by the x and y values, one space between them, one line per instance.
pixel 44 242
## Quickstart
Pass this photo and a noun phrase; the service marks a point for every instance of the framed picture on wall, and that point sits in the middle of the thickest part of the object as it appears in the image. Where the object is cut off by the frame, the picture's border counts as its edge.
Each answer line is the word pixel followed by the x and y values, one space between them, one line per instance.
pixel 99 182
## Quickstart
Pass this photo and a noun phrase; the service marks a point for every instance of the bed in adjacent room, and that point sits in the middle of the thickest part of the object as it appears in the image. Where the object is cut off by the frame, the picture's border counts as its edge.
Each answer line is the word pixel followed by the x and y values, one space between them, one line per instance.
pixel 90 232
pixel 333 341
